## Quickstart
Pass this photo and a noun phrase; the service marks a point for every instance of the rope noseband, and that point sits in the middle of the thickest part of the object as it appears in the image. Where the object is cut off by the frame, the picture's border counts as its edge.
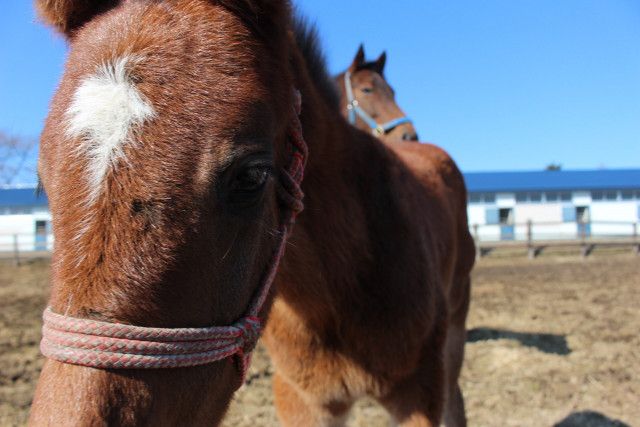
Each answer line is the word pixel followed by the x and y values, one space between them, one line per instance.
pixel 354 109
pixel 108 345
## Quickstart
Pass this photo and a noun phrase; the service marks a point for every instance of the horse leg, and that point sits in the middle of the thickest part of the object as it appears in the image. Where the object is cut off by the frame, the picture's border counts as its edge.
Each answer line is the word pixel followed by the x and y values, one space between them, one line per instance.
pixel 410 405
pixel 417 401
pixel 454 414
pixel 294 409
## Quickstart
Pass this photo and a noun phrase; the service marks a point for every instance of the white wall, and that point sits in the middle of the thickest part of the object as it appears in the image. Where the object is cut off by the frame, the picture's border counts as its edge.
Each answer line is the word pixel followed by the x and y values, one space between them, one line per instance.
pixel 581 198
pixel 487 233
pixel 476 214
pixel 22 228
pixel 614 211
pixel 505 200
pixel 538 212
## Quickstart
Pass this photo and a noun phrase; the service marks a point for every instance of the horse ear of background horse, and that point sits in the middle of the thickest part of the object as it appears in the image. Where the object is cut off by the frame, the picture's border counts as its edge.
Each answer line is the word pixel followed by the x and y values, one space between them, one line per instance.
pixel 358 60
pixel 380 63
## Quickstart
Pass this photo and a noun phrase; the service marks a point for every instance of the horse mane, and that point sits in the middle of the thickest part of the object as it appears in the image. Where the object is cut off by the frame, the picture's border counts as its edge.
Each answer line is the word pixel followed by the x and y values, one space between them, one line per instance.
pixel 308 41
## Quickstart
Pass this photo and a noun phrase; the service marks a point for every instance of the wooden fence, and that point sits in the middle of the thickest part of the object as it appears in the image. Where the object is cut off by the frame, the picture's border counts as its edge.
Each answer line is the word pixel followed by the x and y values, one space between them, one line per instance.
pixel 527 236
pixel 19 247
pixel 583 238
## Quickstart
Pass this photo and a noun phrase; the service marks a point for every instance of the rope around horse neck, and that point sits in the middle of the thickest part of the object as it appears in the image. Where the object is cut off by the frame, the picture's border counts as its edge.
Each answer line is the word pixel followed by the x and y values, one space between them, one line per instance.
pixel 108 345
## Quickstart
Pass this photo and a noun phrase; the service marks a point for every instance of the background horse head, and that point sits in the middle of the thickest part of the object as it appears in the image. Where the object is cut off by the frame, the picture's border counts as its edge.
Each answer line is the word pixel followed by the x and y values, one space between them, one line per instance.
pixel 368 101
pixel 166 159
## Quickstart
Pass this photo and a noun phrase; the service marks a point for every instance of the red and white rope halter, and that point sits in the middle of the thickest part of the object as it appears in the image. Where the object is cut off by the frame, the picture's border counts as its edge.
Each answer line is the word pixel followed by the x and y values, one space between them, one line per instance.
pixel 119 346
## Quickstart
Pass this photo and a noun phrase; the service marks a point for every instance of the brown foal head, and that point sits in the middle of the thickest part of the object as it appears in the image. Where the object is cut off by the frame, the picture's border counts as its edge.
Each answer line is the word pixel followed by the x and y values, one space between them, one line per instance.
pixel 160 159
pixel 375 96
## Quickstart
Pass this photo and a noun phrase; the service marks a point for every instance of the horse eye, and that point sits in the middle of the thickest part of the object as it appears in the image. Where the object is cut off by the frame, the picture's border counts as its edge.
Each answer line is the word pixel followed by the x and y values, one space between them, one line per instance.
pixel 251 179
pixel 367 89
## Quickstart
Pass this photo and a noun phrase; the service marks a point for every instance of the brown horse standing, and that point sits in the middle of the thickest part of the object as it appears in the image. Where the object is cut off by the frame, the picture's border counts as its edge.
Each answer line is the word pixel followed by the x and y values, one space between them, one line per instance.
pixel 368 101
pixel 163 158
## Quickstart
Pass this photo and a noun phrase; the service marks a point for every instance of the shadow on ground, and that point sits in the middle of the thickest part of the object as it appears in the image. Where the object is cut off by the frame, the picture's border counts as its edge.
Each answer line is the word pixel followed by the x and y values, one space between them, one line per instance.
pixel 589 419
pixel 547 343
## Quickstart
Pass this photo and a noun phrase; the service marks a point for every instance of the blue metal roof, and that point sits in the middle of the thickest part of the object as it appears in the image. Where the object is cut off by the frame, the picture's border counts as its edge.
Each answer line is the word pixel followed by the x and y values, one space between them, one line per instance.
pixel 617 179
pixel 614 179
pixel 22 197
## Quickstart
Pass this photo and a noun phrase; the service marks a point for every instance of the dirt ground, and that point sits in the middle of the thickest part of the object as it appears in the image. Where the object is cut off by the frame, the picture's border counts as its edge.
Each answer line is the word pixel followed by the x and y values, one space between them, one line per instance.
pixel 553 341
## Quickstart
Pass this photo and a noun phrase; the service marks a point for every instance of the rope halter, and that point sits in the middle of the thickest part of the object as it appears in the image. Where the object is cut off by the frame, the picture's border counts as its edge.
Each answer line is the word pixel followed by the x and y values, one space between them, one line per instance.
pixel 354 109
pixel 108 345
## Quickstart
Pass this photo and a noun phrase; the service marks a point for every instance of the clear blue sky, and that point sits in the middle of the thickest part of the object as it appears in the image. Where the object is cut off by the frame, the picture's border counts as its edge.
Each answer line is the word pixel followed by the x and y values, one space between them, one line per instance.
pixel 500 84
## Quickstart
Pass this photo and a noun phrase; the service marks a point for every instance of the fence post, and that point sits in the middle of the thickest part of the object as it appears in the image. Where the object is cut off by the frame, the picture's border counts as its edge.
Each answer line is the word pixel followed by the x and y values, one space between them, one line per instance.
pixel 586 247
pixel 16 250
pixel 531 251
pixel 476 238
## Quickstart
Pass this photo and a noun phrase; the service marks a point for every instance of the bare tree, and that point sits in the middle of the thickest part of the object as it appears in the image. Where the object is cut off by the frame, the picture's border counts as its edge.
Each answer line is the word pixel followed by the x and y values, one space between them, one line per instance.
pixel 16 158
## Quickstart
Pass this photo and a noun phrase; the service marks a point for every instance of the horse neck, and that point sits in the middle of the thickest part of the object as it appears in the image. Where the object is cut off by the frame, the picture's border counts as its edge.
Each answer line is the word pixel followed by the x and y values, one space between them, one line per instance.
pixel 330 249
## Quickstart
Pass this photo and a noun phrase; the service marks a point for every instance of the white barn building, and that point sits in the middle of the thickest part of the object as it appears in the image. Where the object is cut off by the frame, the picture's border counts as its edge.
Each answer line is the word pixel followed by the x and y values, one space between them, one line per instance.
pixel 559 204
pixel 25 221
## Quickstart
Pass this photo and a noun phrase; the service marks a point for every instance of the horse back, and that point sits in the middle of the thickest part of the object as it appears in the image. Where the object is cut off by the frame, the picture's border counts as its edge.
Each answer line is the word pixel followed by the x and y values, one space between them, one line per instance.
pixel 438 193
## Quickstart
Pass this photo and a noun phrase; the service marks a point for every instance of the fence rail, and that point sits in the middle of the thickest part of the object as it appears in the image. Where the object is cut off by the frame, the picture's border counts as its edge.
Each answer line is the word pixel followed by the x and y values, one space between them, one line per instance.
pixel 25 246
pixel 533 236
pixel 537 236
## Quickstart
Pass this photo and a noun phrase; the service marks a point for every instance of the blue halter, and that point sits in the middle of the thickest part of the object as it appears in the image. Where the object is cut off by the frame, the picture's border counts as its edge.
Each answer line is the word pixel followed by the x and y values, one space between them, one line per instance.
pixel 354 109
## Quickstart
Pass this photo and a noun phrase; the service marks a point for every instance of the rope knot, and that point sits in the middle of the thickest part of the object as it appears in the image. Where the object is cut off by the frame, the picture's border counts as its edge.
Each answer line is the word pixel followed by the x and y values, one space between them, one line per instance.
pixel 290 191
pixel 250 328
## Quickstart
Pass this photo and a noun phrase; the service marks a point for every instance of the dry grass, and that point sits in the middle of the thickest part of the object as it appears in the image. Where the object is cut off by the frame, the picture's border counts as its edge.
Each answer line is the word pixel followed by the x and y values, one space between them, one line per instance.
pixel 548 338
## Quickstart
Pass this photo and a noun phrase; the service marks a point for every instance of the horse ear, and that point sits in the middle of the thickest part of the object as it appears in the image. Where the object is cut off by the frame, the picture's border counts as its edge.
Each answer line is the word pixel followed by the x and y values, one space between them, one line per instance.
pixel 67 16
pixel 380 63
pixel 358 60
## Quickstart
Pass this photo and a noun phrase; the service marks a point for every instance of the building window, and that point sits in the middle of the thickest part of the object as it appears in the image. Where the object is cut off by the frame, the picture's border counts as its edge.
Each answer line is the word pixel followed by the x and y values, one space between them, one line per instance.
pixel 626 194
pixel 539 197
pixel 597 195
pixel 482 197
pixel 582 214
pixel 19 210
pixel 506 216
pixel 568 214
pixel 492 216
pixel 611 195
pixel 475 198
